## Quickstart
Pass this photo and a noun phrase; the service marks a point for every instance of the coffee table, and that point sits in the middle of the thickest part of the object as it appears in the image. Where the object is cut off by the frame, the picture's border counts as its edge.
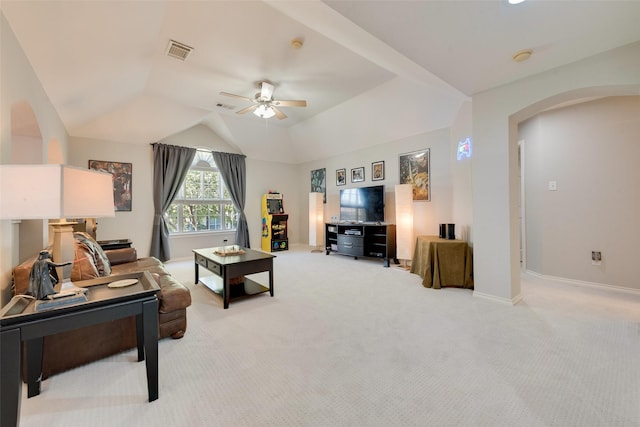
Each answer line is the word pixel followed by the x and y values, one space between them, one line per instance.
pixel 19 321
pixel 230 267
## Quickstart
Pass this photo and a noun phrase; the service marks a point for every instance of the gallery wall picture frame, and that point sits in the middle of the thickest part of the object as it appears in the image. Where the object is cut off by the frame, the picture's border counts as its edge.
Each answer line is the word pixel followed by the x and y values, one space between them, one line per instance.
pixel 122 175
pixel 377 171
pixel 415 169
pixel 341 176
pixel 319 182
pixel 357 174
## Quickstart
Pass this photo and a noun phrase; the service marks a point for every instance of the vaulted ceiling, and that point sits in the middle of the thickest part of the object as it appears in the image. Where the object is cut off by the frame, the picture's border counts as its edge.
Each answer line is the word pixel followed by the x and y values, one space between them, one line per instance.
pixel 370 71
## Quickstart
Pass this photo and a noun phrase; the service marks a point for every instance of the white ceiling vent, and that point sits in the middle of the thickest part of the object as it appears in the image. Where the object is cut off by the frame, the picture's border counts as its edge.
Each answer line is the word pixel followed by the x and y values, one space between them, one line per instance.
pixel 178 50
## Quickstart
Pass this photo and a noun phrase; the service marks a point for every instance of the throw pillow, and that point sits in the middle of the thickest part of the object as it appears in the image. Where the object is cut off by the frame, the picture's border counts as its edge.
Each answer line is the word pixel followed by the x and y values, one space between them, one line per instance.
pixel 100 259
pixel 83 266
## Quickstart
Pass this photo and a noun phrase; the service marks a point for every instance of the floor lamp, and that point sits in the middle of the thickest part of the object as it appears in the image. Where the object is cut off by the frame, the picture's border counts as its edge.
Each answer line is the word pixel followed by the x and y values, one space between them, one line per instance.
pixel 55 192
pixel 316 221
pixel 404 222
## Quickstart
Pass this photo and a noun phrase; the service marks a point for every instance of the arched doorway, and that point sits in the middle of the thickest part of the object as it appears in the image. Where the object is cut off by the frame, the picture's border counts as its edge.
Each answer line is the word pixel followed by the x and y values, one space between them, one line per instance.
pixel 495 184
pixel 575 96
pixel 580 180
pixel 26 148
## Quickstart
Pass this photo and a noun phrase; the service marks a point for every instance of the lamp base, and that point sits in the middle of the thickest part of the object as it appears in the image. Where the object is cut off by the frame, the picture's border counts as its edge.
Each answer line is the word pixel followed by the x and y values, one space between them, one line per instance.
pixel 63 247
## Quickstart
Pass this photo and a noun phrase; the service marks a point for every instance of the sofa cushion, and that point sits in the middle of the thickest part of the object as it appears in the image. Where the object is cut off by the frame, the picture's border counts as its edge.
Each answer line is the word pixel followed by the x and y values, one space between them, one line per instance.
pixel 150 264
pixel 121 256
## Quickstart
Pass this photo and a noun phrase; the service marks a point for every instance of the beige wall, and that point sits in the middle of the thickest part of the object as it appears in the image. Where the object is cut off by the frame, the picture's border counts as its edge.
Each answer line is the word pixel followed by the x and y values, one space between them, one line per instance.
pixel 137 224
pixel 263 176
pixel 427 215
pixel 591 151
pixel 462 197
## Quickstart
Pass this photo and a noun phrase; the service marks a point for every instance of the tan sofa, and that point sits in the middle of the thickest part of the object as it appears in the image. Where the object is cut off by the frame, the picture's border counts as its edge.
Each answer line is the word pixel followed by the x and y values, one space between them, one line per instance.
pixel 74 348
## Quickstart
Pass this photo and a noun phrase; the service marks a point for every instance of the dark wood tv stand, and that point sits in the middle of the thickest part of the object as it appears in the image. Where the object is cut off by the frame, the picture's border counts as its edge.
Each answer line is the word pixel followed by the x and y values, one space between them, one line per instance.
pixel 375 240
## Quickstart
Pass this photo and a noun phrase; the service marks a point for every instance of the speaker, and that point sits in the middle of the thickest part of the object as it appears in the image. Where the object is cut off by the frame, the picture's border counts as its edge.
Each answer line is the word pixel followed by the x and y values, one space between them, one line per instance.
pixel 443 231
pixel 451 231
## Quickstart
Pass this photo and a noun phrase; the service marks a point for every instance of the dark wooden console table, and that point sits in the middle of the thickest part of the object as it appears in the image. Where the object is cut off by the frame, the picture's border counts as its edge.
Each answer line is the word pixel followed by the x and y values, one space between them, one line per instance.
pixel 442 262
pixel 234 266
pixel 20 322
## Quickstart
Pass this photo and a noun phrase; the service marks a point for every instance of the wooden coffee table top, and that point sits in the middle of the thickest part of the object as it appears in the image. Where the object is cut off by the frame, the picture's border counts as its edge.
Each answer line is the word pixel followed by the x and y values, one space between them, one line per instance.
pixel 249 255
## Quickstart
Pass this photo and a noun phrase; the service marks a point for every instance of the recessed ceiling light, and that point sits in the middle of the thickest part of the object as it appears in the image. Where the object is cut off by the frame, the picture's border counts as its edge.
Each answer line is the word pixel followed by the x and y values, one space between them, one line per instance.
pixel 522 55
pixel 516 1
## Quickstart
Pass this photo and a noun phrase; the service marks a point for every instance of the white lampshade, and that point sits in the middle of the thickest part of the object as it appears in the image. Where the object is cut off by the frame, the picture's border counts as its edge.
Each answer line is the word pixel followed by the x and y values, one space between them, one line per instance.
pixel 54 191
pixel 404 221
pixel 316 219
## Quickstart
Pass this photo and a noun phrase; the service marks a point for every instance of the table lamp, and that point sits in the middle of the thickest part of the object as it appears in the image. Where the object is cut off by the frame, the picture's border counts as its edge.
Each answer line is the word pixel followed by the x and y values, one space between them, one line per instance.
pixel 55 192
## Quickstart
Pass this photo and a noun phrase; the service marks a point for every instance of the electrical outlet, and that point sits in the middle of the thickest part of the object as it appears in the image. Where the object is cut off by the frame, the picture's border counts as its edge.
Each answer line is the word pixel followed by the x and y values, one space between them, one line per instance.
pixel 596 257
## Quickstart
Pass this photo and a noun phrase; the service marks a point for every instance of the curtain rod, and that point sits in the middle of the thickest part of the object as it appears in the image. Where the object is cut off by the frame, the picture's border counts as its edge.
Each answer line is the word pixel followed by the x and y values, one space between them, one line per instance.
pixel 202 149
pixel 224 152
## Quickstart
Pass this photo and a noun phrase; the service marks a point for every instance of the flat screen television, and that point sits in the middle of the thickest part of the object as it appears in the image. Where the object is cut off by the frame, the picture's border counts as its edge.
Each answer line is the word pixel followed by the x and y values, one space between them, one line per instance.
pixel 364 204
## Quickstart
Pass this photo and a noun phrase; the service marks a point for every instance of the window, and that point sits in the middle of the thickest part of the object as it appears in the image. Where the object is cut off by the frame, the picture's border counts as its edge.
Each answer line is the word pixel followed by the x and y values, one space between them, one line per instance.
pixel 203 202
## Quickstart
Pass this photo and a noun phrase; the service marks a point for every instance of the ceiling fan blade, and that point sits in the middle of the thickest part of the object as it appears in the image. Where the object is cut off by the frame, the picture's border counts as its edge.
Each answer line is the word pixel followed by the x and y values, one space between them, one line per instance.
pixel 236 96
pixel 267 91
pixel 279 114
pixel 290 103
pixel 246 110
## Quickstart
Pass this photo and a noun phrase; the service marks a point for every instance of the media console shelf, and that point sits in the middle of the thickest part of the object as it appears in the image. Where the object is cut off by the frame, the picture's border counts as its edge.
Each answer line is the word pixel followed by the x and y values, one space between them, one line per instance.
pixel 362 240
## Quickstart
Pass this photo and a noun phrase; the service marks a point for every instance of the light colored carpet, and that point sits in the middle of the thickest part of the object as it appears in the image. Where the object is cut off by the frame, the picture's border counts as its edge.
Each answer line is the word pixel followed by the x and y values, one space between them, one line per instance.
pixel 347 342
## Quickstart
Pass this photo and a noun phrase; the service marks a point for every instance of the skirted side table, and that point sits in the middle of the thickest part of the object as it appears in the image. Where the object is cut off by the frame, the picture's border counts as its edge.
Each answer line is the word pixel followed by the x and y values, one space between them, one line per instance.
pixel 442 262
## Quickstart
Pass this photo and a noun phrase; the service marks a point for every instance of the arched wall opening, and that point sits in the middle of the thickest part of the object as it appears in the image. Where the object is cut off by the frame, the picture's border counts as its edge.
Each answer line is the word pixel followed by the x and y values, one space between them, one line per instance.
pixel 26 148
pixel 514 120
pixel 578 185
pixel 495 182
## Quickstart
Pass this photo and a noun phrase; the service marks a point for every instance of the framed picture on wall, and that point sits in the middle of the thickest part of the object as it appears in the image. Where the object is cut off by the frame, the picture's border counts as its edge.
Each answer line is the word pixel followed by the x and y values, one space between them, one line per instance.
pixel 122 175
pixel 357 174
pixel 414 170
pixel 341 176
pixel 319 183
pixel 377 171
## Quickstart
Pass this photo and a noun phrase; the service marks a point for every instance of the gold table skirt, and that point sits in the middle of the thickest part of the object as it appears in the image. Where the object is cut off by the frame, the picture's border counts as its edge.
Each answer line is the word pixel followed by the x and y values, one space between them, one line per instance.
pixel 442 262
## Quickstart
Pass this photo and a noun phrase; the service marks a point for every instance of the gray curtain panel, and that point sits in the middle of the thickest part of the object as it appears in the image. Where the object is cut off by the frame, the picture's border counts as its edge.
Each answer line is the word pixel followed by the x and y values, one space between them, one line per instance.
pixel 234 172
pixel 170 166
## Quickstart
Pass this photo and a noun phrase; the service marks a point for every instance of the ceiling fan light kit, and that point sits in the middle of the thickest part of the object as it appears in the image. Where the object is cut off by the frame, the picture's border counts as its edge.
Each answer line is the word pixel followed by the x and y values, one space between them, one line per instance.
pixel 264 104
pixel 264 112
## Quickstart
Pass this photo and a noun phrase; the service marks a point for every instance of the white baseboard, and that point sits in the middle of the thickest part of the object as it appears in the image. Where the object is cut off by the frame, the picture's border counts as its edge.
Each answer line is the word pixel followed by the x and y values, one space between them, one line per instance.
pixel 585 284
pixel 511 301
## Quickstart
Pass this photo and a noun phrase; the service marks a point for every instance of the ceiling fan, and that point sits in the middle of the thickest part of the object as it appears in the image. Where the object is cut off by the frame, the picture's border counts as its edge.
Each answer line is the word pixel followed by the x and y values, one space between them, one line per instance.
pixel 264 105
